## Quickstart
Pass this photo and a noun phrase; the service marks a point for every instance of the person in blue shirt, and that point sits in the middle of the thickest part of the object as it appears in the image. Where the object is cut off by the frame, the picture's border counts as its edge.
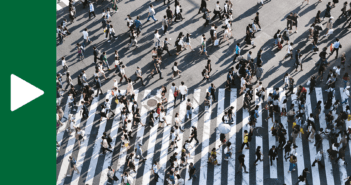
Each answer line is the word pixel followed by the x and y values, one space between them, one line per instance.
pixel 91 10
pixel 212 90
pixel 237 51
pixel 137 24
pixel 229 79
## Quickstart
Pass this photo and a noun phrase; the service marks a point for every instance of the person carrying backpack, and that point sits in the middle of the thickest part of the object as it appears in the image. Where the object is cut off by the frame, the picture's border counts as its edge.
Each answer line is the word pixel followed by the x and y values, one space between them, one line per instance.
pixel 72 163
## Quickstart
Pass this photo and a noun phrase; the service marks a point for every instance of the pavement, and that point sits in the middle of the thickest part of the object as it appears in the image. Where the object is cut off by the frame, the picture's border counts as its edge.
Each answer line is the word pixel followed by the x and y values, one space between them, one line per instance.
pixel 272 18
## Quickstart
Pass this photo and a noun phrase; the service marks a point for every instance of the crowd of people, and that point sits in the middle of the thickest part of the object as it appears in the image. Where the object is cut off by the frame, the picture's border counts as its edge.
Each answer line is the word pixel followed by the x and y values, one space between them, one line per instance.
pixel 244 70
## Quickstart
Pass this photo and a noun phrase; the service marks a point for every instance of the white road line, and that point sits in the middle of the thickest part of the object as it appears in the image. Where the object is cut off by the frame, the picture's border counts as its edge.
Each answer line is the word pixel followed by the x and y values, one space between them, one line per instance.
pixel 182 116
pixel 220 113
pixel 298 141
pixel 69 149
pixel 166 135
pixel 259 120
pixel 113 134
pixel 150 153
pixel 322 123
pixel 84 144
pixel 58 7
pixel 140 133
pixel 61 131
pixel 342 167
pixel 313 150
pixel 204 145
pixel 284 121
pixel 97 147
pixel 246 152
pixel 271 141
pixel 259 142
pixel 232 139
pixel 194 122
pixel 259 166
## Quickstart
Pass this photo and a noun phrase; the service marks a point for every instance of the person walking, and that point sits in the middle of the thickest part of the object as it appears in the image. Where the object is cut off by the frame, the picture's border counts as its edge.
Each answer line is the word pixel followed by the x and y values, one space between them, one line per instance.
pixel 193 135
pixel 246 142
pixel 104 145
pixel 139 77
pixel 192 171
pixel 183 91
pixel 139 152
pixel 257 20
pixel 86 37
pixel 98 85
pixel 273 154
pixel 318 159
pixel 203 6
pixel 237 51
pixel 241 159
pixel 303 176
pixel 155 169
pixel 217 11
pixel 207 17
pixel 258 154
pixel 91 10
pixel 327 11
pixel 151 14
pixel 73 166
pixel 336 47
pixel 164 24
pixel 203 47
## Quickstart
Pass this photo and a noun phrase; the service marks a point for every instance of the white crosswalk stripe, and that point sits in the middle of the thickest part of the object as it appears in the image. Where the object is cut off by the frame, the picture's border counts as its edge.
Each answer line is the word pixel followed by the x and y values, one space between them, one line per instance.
pixel 60 4
pixel 201 118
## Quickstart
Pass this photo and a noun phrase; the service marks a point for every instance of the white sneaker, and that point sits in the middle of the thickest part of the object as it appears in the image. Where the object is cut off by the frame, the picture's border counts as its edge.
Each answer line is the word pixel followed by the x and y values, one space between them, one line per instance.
pixel 109 41
pixel 116 38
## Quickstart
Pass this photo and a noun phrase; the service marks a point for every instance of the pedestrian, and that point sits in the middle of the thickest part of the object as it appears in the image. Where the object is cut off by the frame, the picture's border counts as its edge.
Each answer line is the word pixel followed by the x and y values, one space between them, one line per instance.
pixel 86 37
pixel 203 6
pixel 193 135
pixel 112 33
pixel 79 134
pixel 258 154
pixel 290 51
pixel 126 179
pixel 241 159
pixel 165 46
pixel 80 50
pixel 178 12
pixel 192 171
pixel 346 94
pixel 336 47
pixel 91 10
pixel 273 154
pixel 207 17
pixel 157 64
pixel 257 20
pixel 98 85
pixel 139 77
pixel 104 145
pixel 155 169
pixel 303 176
pixel 203 47
pixel 189 108
pixel 164 24
pixel 183 90
pixel 217 11
pixel 108 138
pixel 292 162
pixel 73 166
pixel 111 175
pixel 151 14
pixel 318 159
pixel 237 51
pixel 327 11
pixel 246 142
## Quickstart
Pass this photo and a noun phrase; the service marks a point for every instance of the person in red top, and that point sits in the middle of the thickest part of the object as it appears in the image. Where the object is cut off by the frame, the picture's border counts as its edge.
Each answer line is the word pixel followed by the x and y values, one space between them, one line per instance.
pixel 302 91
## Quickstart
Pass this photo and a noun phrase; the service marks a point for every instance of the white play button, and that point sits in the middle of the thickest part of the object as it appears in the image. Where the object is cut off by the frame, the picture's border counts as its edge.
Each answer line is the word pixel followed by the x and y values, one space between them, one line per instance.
pixel 22 92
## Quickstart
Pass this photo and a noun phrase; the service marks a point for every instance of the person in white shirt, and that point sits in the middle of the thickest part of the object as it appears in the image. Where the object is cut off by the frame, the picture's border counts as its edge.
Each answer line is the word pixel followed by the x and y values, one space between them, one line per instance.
pixel 112 33
pixel 64 64
pixel 86 37
pixel 290 51
pixel 126 178
pixel 104 145
pixel 318 158
pixel 228 151
pixel 242 85
pixel 155 168
pixel 151 14
pixel 91 10
pixel 347 95
pixel 157 38
pixel 178 14
pixel 183 90
pixel 176 71
pixel 108 108
pixel 336 47
pixel 217 11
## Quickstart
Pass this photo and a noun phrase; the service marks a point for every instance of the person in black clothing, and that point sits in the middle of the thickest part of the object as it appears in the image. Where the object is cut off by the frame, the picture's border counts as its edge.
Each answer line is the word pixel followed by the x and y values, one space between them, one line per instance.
pixel 98 85
pixel 318 138
pixel 203 6
pixel 273 154
pixel 96 55
pixel 165 46
pixel 281 138
pixel 302 177
pixel 312 83
pixel 327 11
pixel 108 138
pixel 259 60
pixel 257 20
pixel 258 154
pixel 192 171
pixel 241 159
pixel 85 109
pixel 287 150
pixel 194 135
pixel 217 11
pixel 289 21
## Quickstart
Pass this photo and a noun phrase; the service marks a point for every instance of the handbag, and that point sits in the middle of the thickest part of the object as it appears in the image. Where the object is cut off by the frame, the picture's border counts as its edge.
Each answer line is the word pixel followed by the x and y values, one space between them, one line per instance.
pixel 294 124
pixel 175 93
pixel 308 82
pixel 331 47
pixel 116 101
pixel 216 43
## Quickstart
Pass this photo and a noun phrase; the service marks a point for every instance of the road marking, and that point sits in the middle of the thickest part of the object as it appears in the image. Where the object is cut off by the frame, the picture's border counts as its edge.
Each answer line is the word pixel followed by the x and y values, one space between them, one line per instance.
pixel 271 141
pixel 259 166
pixel 220 113
pixel 325 142
pixel 232 139
pixel 69 149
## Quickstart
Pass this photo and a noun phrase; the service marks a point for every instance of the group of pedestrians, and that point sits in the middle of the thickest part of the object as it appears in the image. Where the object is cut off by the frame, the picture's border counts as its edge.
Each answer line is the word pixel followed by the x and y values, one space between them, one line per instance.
pixel 244 71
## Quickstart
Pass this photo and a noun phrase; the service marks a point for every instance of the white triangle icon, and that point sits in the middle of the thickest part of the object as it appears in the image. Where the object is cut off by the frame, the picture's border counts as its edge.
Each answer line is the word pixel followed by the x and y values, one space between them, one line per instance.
pixel 22 92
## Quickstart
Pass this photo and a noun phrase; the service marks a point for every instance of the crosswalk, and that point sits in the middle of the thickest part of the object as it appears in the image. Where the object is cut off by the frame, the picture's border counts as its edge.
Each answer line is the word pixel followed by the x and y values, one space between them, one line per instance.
pixel 60 4
pixel 93 165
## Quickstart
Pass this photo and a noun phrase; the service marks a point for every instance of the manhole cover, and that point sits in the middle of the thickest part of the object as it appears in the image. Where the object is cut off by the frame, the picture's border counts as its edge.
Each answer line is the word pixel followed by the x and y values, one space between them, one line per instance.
pixel 151 103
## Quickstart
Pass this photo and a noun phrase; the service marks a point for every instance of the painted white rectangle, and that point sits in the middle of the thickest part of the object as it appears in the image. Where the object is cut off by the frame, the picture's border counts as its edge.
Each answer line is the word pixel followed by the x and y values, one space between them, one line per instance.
pixel 284 121
pixel 69 148
pixel 205 145
pixel 166 135
pixel 61 132
pixel 298 142
pixel 84 145
pixel 58 7
pixel 97 147
pixel 322 123
pixel 140 133
pixel 342 167
pixel 246 152
pixel 259 103
pixel 150 154
pixel 259 166
pixel 313 149
pixel 182 116
pixel 113 134
pixel 271 141
pixel 232 138
pixel 220 113
pixel 194 121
